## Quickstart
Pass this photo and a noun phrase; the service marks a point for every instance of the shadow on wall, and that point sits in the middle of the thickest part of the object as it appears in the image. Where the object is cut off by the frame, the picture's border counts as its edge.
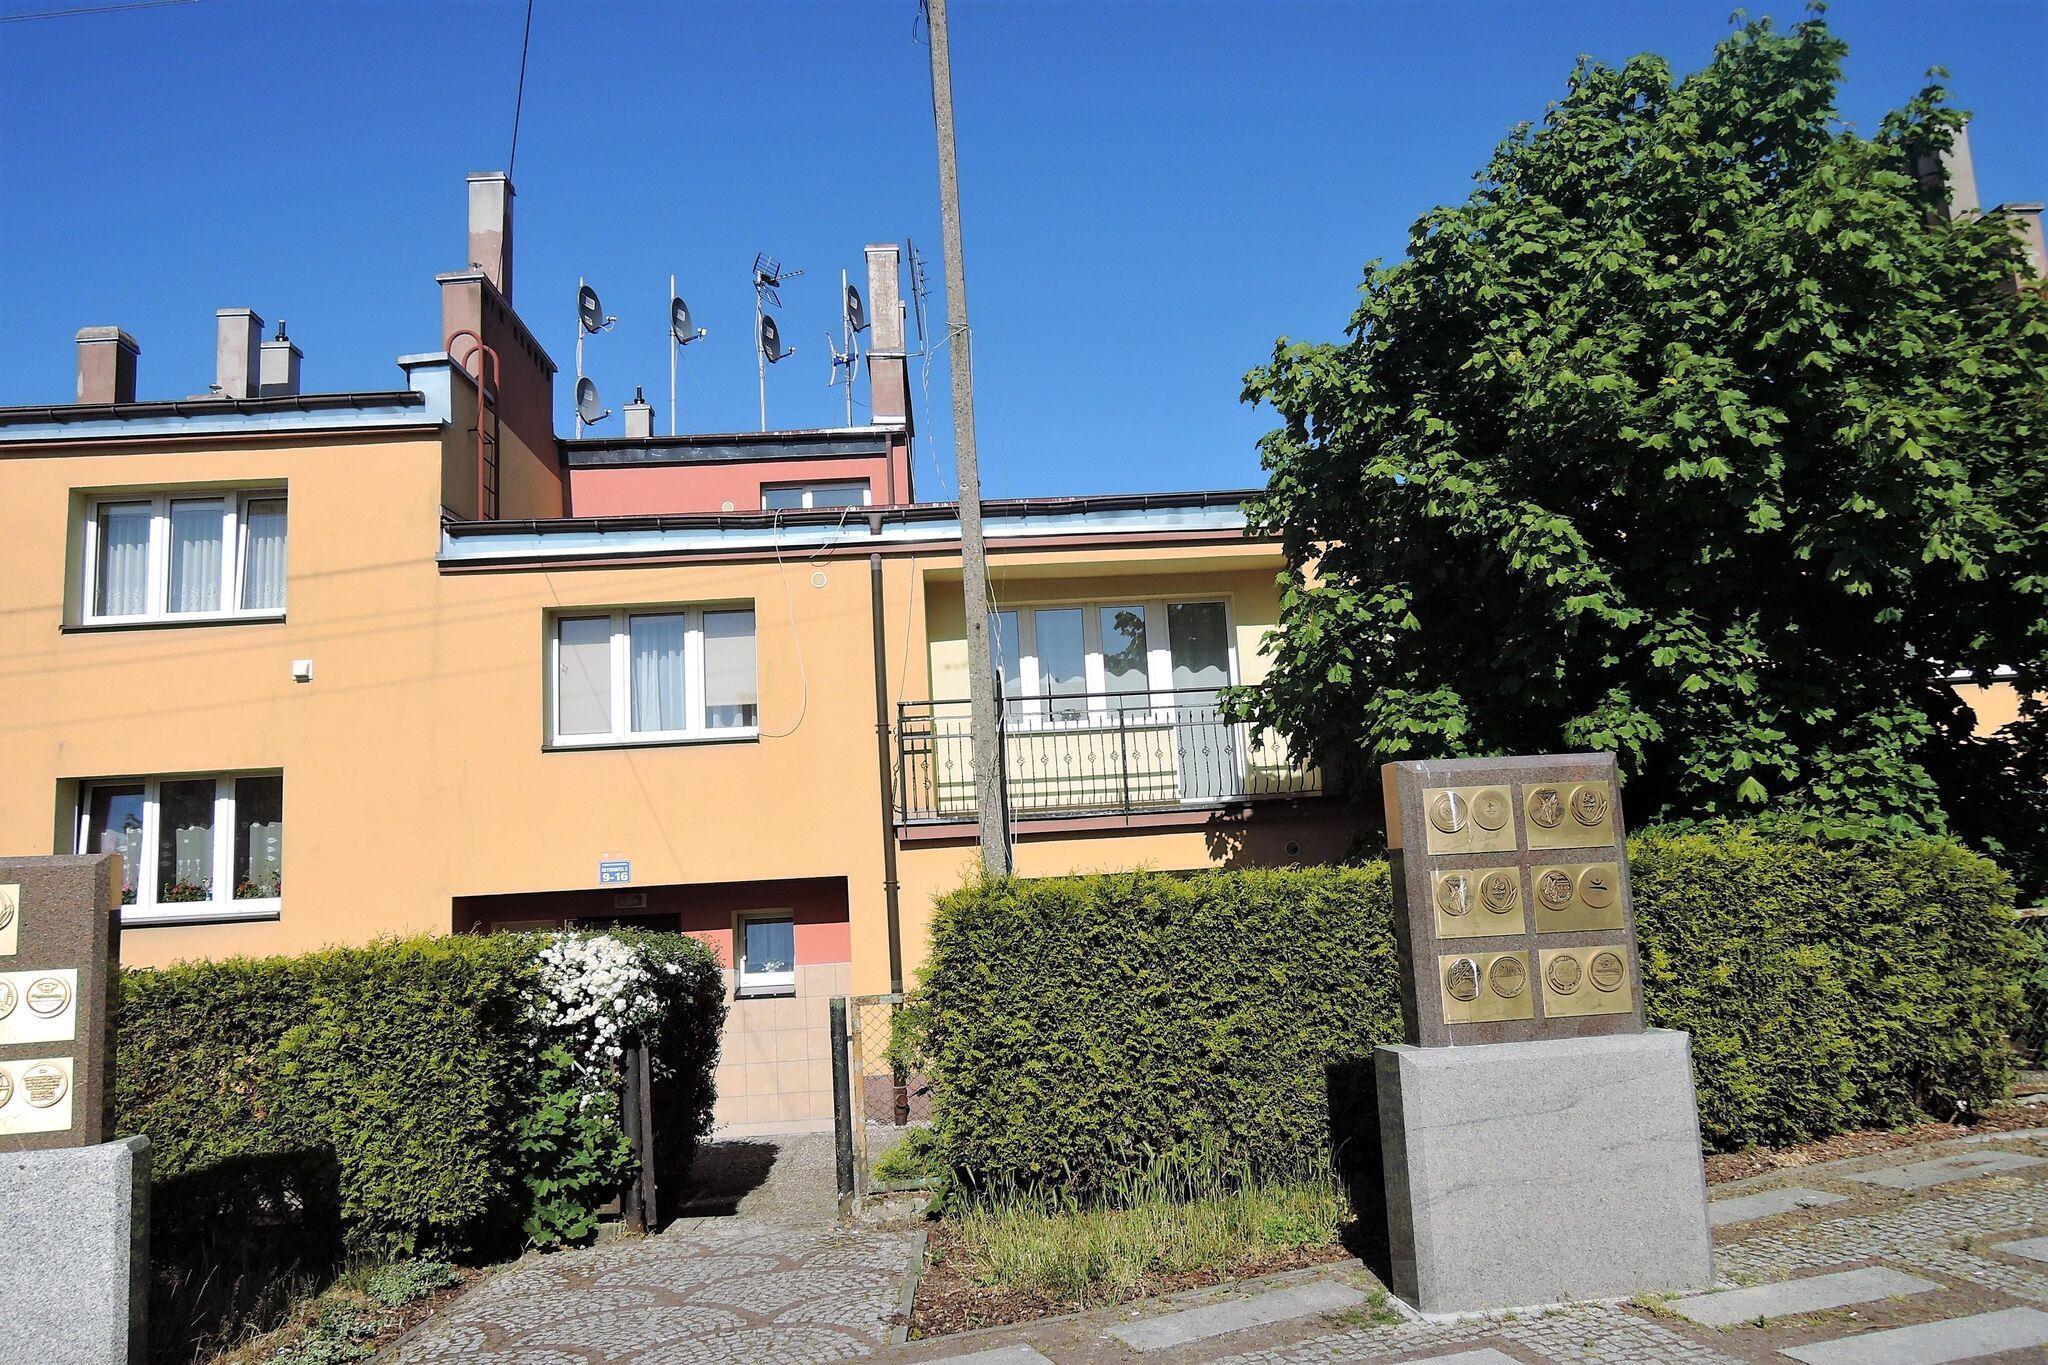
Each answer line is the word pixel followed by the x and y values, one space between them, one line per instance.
pixel 233 1245
pixel 1358 1162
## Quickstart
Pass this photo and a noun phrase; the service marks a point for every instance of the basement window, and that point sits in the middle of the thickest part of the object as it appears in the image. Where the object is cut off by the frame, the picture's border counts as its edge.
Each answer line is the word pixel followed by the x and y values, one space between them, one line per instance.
pixel 768 956
pixel 654 677
pixel 192 848
pixel 177 557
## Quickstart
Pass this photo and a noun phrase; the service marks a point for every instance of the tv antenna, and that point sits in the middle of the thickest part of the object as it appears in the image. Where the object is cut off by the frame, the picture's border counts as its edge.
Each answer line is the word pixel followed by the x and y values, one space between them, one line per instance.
pixel 768 279
pixel 920 286
pixel 853 320
pixel 590 320
pixel 680 334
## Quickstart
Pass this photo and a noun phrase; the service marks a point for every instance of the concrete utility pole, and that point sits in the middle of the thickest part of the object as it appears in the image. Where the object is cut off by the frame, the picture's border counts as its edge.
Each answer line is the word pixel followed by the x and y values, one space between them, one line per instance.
pixel 990 808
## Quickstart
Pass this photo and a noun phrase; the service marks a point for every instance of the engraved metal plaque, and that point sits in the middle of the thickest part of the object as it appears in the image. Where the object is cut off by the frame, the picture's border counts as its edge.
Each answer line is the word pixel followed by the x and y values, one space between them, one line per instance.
pixel 39 1006
pixel 1512 899
pixel 1469 820
pixel 1574 897
pixel 10 919
pixel 1569 814
pixel 1586 981
pixel 35 1096
pixel 1482 987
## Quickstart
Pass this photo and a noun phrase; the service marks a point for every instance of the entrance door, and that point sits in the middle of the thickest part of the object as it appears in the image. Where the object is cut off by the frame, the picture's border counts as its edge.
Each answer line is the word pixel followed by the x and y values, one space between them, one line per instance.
pixel 1210 763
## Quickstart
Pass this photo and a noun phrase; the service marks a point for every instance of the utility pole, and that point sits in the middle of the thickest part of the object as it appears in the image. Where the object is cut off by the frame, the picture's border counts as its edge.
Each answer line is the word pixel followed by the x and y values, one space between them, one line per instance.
pixel 990 807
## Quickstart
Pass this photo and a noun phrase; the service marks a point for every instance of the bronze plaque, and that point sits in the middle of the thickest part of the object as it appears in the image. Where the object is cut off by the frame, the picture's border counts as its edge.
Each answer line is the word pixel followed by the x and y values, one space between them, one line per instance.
pixel 1590 980
pixel 1469 820
pixel 1479 987
pixel 1477 902
pixel 1573 897
pixel 1512 899
pixel 1569 814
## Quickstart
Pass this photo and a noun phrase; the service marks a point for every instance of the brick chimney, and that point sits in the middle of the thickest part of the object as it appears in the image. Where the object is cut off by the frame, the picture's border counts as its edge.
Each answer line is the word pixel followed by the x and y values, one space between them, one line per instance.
pixel 888 375
pixel 237 335
pixel 639 417
pixel 1953 173
pixel 490 227
pixel 106 365
pixel 278 369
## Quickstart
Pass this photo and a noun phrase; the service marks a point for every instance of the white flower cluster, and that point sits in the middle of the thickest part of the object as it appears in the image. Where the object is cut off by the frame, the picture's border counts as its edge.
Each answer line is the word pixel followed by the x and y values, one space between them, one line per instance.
pixel 596 992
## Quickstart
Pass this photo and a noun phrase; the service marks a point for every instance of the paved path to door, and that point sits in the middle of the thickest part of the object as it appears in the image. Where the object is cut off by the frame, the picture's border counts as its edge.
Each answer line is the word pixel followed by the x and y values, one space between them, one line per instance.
pixel 1916 1256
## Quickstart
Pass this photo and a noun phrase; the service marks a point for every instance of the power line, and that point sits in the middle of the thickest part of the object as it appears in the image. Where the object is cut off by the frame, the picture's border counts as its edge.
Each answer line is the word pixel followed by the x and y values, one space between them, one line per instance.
pixel 91 9
pixel 519 100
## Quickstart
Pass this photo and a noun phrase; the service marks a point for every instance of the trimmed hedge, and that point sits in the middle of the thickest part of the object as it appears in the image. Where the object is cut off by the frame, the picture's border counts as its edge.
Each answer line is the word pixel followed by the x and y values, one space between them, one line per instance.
pixel 375 1100
pixel 1077 1028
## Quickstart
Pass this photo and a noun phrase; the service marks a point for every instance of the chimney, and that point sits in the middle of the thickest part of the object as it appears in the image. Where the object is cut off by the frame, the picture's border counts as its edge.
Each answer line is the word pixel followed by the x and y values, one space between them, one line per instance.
pixel 237 334
pixel 106 365
pixel 888 377
pixel 490 227
pixel 2025 222
pixel 1953 173
pixel 278 370
pixel 639 417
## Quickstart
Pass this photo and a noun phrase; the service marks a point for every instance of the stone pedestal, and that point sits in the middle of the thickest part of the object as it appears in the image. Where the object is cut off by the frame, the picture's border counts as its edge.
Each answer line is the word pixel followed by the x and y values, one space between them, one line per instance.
pixel 74 1263
pixel 1529 1173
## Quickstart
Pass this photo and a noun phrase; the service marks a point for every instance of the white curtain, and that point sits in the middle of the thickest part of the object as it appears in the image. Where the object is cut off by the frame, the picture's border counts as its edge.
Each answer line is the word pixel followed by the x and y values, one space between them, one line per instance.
pixel 263 556
pixel 731 692
pixel 658 672
pixel 195 556
pixel 583 682
pixel 123 587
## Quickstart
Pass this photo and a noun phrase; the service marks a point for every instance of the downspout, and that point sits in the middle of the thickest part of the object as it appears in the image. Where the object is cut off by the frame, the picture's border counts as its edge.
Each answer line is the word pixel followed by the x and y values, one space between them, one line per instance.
pixel 885 770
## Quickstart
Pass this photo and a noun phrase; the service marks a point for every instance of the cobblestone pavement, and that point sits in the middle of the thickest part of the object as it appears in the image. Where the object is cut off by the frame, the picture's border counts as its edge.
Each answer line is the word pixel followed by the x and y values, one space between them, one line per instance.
pixel 791 1287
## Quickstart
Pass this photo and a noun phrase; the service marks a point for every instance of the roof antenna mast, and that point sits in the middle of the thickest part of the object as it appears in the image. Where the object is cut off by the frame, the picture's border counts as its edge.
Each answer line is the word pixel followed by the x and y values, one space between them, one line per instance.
pixel 768 278
pixel 853 320
pixel 590 320
pixel 680 334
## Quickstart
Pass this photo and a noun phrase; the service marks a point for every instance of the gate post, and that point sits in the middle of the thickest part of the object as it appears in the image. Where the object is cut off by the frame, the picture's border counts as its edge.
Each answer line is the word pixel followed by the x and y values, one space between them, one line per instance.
pixel 842 1099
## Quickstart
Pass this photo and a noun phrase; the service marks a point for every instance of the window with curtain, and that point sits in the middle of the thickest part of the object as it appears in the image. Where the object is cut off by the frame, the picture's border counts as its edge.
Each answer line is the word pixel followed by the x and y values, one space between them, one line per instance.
pixel 649 677
pixel 1090 664
pixel 173 557
pixel 192 848
pixel 789 497
pixel 767 956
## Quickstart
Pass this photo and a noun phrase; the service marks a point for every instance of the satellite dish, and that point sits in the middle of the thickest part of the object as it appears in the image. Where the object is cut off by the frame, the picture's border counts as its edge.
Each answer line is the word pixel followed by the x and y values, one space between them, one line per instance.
pixel 587 409
pixel 771 340
pixel 679 322
pixel 856 311
pixel 588 311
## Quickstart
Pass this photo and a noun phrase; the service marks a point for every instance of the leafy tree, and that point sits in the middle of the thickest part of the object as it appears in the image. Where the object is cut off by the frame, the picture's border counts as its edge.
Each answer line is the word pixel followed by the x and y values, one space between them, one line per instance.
pixel 1700 432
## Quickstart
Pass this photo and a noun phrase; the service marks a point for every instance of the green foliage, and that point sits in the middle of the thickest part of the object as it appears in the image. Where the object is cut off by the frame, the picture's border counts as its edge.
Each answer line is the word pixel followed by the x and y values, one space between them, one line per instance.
pixel 1698 433
pixel 1080 1029
pixel 403 1282
pixel 391 1099
pixel 2033 1031
pixel 573 1151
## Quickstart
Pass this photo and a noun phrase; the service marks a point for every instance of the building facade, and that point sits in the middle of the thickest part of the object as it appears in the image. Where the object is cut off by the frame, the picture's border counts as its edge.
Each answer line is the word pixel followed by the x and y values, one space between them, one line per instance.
pixel 325 667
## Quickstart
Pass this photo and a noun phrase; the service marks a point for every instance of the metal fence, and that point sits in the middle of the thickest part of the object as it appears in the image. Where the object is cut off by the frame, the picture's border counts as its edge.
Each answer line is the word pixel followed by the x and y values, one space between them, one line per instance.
pixel 877 1102
pixel 1114 752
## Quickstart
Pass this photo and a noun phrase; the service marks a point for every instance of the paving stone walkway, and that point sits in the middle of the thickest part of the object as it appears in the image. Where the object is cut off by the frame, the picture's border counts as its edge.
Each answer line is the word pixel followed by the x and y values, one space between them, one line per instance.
pixel 1916 1256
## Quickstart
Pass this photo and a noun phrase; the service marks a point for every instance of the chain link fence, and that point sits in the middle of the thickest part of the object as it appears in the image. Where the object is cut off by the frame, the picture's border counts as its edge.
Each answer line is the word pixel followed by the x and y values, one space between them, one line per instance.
pixel 877 1100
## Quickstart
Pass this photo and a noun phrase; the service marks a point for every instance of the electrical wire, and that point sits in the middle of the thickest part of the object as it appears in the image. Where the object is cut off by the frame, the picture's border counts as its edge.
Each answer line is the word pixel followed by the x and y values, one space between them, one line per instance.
pixel 519 99
pixel 91 9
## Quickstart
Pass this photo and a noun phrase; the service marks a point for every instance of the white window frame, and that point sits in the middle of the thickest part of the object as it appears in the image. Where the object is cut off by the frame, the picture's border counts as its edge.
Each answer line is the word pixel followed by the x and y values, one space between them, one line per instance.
pixel 1033 709
pixel 747 983
pixel 234 549
pixel 621 731
pixel 222 906
pixel 810 491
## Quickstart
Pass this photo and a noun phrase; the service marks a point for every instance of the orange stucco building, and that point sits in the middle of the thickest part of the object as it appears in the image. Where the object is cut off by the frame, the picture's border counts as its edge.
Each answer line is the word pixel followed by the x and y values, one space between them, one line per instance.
pixel 325 667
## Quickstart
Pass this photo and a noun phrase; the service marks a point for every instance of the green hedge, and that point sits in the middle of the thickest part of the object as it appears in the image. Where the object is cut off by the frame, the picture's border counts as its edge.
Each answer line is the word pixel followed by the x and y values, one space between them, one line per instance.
pixel 1076 1028
pixel 376 1100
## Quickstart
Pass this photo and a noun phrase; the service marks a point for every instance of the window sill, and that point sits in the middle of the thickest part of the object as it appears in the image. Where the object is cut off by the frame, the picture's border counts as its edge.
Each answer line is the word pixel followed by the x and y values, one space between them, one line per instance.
pixel 767 993
pixel 572 746
pixel 246 618
pixel 201 912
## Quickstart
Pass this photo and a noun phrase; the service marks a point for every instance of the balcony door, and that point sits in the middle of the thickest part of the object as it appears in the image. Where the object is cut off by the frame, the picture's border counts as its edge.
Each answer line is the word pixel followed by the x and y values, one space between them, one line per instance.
pixel 1208 758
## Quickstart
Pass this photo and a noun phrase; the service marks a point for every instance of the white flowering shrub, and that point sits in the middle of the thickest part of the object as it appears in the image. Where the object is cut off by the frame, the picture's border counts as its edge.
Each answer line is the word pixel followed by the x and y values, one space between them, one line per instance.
pixel 595 992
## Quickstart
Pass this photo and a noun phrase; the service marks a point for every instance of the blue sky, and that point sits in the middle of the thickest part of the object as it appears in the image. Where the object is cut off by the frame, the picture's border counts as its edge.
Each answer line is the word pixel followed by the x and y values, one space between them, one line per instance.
pixel 1152 192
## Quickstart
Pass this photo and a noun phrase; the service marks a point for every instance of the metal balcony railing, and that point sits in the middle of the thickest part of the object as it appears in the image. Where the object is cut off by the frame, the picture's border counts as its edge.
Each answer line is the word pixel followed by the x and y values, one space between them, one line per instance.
pixel 1094 752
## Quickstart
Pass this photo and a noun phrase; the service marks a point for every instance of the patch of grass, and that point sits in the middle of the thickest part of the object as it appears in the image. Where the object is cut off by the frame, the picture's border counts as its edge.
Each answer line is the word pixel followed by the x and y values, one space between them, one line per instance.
pixel 917 1157
pixel 1158 1223
pixel 1377 1311
pixel 348 1320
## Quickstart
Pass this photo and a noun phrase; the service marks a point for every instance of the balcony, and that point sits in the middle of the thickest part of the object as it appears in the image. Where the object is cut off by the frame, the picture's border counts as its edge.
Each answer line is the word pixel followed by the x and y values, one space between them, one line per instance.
pixel 1097 753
